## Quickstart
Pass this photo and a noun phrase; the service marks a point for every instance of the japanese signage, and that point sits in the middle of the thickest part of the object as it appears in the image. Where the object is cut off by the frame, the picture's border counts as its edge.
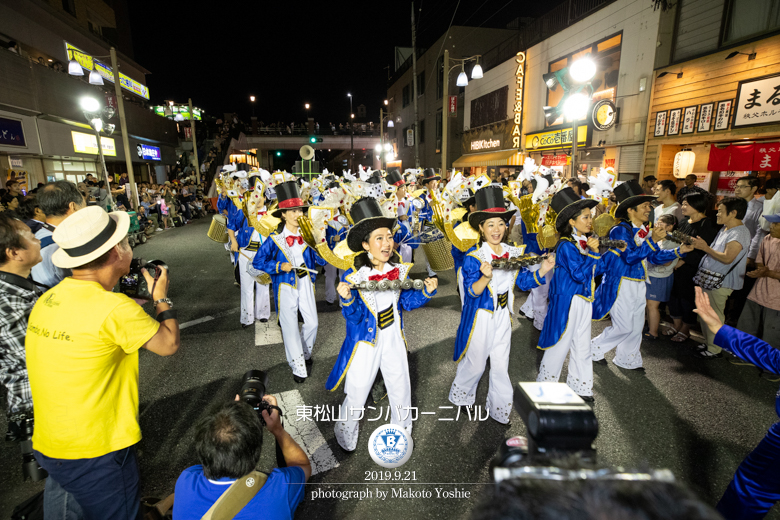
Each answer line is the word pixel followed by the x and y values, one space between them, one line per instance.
pixel 689 119
pixel 766 156
pixel 726 183
pixel 148 152
pixel 410 137
pixel 172 110
pixel 16 162
pixel 87 62
pixel 555 160
pixel 660 124
pixel 758 102
pixel 604 114
pixel 518 106
pixel 722 115
pixel 556 139
pixel 187 132
pixel 453 106
pixel 12 133
pixel 485 144
pixel 674 121
pixel 87 143
pixel 705 117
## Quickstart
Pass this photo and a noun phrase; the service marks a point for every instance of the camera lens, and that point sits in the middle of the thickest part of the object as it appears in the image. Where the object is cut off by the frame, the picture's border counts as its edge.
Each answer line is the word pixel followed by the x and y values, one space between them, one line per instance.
pixel 253 387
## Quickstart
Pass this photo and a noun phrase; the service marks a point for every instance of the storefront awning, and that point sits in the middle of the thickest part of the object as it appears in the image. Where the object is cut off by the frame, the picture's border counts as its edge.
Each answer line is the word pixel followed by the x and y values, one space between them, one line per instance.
pixel 503 158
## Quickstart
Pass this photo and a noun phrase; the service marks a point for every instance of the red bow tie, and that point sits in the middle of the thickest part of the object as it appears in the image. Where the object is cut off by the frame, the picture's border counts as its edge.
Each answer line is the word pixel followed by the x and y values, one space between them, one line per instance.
pixel 293 239
pixel 390 275
pixel 642 233
pixel 261 213
pixel 505 255
pixel 583 244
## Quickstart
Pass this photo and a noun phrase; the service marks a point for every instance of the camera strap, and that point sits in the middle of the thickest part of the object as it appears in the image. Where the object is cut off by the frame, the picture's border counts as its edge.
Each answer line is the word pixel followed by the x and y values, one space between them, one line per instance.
pixel 237 496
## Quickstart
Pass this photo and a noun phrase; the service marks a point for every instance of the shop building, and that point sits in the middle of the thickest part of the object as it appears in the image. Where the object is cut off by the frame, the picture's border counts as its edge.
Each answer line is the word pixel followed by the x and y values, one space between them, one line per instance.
pixel 715 107
pixel 44 135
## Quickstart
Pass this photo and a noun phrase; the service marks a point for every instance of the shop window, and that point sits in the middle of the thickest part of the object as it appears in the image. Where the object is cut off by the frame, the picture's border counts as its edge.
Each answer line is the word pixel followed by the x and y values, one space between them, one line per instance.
pixel 748 18
pixel 606 55
pixel 69 6
pixel 406 95
pixel 490 108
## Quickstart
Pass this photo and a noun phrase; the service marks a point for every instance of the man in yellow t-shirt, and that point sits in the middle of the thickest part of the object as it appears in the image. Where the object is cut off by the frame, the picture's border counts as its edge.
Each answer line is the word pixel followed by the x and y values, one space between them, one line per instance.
pixel 82 358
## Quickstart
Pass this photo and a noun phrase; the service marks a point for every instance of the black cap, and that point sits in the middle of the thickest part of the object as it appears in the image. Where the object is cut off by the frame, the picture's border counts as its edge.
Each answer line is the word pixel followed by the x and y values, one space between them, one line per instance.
pixel 567 204
pixel 628 195
pixel 367 216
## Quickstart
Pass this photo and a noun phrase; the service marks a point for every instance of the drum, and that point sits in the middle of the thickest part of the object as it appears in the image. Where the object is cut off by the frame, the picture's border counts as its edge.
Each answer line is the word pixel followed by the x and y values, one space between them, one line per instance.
pixel 218 230
pixel 263 278
pixel 439 254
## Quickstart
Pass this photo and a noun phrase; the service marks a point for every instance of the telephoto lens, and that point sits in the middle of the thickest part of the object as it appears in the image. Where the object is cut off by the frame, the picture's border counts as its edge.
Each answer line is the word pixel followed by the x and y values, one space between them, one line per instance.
pixel 252 392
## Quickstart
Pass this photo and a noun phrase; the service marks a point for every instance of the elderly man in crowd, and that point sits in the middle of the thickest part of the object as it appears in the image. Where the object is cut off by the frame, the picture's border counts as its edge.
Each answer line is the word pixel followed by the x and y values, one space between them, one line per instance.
pixel 85 338
pixel 57 201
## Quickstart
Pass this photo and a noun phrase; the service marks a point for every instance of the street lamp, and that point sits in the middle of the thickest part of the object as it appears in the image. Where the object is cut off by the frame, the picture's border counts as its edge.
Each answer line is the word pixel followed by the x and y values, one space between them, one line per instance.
pixel 384 116
pixel 91 109
pixel 576 105
pixel 351 133
pixel 252 99
pixel 462 81
pixel 307 106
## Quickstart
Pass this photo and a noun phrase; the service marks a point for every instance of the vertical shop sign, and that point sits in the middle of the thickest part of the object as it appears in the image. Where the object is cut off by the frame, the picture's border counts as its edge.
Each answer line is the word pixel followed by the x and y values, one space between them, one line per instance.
pixel 518 105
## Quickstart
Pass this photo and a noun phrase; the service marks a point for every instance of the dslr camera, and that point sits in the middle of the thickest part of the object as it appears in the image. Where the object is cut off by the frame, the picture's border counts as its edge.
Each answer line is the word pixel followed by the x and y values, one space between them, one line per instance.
pixel 134 285
pixel 253 389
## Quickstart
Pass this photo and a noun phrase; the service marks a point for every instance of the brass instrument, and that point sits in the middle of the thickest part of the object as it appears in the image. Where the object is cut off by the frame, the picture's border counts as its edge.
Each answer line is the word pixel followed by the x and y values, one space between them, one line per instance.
pixel 518 262
pixel 340 257
pixel 389 285
pixel 603 224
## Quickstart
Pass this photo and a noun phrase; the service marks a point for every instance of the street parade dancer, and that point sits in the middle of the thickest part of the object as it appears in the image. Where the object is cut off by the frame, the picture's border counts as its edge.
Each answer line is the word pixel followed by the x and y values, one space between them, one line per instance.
pixel 622 292
pixel 375 334
pixel 394 178
pixel 337 230
pixel 292 266
pixel 485 326
pixel 255 297
pixel 429 181
pixel 568 323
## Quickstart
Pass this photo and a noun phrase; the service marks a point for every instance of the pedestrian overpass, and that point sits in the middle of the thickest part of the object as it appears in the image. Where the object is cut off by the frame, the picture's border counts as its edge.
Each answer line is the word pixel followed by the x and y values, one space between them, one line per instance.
pixel 266 146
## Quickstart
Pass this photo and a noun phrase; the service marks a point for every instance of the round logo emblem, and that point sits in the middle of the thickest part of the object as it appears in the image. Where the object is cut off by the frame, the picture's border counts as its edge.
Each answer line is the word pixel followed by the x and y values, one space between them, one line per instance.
pixel 140 150
pixel 250 482
pixel 390 446
pixel 604 114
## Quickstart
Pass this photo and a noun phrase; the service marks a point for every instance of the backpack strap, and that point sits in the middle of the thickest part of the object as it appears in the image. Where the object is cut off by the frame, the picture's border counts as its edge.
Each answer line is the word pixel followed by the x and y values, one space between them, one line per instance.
pixel 237 496
pixel 47 241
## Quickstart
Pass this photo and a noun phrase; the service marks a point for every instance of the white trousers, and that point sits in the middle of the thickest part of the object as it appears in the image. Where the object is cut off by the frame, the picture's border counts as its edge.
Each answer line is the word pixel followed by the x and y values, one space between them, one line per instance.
pixel 389 356
pixel 490 338
pixel 575 339
pixel 460 287
pixel 535 306
pixel 332 279
pixel 298 345
pixel 231 254
pixel 625 333
pixel 406 253
pixel 255 298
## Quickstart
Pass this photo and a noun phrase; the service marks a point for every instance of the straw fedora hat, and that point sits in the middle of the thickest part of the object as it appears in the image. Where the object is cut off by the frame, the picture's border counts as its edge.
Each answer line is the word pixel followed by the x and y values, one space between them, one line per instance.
pixel 87 234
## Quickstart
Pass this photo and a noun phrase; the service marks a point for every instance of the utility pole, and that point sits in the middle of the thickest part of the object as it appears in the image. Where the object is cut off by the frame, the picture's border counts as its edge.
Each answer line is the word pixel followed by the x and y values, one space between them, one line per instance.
pixel 414 94
pixel 445 109
pixel 195 144
pixel 123 126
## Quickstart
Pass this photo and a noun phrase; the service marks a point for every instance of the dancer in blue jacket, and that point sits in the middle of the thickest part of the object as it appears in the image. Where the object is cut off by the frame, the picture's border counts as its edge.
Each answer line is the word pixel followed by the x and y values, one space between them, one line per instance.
pixel 485 327
pixel 567 325
pixel 375 329
pixel 622 293
pixel 280 256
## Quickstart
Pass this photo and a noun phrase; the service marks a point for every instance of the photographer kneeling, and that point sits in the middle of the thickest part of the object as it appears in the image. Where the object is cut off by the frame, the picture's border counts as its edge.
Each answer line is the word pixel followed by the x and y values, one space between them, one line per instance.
pixel 82 358
pixel 228 444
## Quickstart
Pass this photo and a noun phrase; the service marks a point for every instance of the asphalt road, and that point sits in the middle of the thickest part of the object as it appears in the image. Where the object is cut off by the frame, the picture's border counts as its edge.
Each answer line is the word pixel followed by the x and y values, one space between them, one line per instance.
pixel 697 418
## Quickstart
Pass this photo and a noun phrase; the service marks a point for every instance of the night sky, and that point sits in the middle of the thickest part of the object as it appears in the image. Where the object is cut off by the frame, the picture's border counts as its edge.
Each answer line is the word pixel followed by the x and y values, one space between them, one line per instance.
pixel 288 53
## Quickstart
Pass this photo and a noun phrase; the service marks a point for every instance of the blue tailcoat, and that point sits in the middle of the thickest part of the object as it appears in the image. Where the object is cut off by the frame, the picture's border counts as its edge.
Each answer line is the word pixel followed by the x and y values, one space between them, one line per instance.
pixel 237 222
pixel 529 240
pixel 573 276
pixel 627 265
pixel 274 252
pixel 525 280
pixel 754 489
pixel 222 203
pixel 360 313
pixel 426 213
pixel 335 233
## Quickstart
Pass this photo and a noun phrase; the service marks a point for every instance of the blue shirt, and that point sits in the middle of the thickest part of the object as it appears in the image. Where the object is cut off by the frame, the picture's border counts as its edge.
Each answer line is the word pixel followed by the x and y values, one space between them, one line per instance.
pixel 278 498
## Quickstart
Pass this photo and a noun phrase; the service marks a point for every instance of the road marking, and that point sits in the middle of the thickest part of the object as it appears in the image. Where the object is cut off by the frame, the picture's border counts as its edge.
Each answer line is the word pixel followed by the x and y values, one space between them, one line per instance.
pixel 208 318
pixel 306 433
pixel 268 333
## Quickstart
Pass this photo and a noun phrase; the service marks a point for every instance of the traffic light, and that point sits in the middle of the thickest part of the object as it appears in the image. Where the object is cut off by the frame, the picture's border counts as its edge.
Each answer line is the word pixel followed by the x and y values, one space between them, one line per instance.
pixel 314 139
pixel 278 153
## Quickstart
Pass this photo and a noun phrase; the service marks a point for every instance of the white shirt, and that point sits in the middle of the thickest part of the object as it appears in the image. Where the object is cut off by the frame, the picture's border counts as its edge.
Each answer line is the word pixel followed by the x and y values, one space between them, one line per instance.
pixel 502 278
pixel 673 209
pixel 46 272
pixel 385 299
pixel 296 249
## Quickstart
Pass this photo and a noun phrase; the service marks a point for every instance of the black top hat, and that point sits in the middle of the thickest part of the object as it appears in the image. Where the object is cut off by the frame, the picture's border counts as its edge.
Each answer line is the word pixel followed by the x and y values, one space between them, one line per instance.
pixel 429 174
pixel 288 197
pixel 243 167
pixel 375 178
pixel 567 204
pixel 628 195
pixel 394 177
pixel 470 200
pixel 367 216
pixel 490 204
